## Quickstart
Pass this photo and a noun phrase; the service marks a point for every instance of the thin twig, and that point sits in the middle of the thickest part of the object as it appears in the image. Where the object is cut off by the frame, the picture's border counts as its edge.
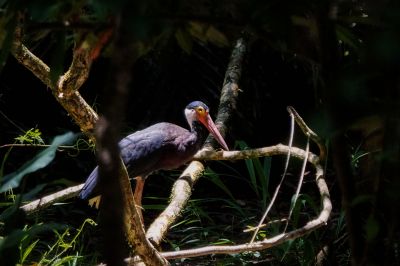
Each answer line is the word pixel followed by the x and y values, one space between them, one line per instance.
pixel 303 170
pixel 309 132
pixel 25 145
pixel 278 187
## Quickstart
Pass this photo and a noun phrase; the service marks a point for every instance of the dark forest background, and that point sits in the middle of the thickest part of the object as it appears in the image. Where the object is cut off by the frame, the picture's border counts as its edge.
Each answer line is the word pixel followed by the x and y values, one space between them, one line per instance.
pixel 336 62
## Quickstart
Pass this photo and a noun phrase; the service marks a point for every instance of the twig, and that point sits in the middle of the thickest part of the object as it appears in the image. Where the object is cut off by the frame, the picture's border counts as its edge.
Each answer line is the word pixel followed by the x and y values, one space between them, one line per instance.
pixel 278 187
pixel 303 170
pixel 308 132
pixel 25 145
pixel 265 225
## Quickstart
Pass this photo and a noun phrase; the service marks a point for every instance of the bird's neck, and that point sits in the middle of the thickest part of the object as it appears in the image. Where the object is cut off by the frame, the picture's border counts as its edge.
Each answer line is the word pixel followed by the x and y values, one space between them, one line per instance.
pixel 200 131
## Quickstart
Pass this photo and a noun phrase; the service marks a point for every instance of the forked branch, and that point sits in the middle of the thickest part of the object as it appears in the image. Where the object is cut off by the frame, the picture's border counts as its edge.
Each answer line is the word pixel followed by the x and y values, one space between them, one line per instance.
pixel 66 89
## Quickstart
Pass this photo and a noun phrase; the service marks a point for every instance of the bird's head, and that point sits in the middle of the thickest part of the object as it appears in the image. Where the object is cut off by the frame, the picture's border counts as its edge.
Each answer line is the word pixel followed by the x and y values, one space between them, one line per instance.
pixel 198 111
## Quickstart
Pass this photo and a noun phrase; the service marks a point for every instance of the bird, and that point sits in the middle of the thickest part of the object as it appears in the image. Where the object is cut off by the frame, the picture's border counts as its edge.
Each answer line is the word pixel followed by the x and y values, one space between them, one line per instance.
pixel 162 146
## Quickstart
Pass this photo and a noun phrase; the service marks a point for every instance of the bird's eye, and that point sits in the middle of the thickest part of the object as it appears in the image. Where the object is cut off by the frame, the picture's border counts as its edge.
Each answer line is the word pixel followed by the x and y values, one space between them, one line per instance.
pixel 200 110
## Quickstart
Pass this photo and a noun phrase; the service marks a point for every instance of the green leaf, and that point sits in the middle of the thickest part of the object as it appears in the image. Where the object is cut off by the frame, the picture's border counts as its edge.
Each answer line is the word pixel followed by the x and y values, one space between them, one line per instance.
pixel 28 251
pixel 250 168
pixel 263 172
pixel 216 37
pixel 347 37
pixel 184 40
pixel 372 228
pixel 213 177
pixel 40 161
pixel 10 244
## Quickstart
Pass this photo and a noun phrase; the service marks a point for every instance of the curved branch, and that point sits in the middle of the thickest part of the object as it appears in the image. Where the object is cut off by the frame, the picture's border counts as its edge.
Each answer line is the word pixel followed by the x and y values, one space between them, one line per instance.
pixel 319 221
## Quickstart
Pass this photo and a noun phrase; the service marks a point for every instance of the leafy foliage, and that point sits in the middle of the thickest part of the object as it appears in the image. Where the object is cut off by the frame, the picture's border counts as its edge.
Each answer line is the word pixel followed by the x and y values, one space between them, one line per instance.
pixel 41 160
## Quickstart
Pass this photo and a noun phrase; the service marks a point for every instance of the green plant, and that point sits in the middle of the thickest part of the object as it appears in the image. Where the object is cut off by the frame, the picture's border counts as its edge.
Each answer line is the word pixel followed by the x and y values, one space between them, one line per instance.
pixel 259 173
pixel 39 161
pixel 14 229
pixel 32 136
pixel 57 254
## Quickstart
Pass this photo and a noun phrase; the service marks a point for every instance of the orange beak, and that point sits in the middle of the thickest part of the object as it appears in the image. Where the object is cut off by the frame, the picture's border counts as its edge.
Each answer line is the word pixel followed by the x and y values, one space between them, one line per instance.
pixel 209 124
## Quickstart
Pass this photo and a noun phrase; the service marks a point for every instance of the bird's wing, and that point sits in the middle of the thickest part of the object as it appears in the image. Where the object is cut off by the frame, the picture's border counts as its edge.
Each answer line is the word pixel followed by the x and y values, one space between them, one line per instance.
pixel 143 150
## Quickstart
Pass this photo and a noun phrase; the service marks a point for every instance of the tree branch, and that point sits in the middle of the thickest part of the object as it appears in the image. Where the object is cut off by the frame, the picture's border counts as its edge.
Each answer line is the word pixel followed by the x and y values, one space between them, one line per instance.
pixel 66 89
pixel 46 201
pixel 319 221
pixel 181 191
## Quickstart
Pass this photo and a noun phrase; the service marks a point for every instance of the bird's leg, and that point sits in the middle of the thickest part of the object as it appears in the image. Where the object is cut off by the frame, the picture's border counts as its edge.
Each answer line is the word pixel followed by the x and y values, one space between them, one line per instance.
pixel 137 196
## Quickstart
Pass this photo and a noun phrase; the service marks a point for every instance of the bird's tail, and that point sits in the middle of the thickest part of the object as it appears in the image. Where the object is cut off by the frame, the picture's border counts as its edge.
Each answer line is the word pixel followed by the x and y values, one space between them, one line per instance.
pixel 90 185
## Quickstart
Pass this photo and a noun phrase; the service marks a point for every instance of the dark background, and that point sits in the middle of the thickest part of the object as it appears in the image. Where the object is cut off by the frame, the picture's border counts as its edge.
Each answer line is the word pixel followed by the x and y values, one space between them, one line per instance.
pixel 340 74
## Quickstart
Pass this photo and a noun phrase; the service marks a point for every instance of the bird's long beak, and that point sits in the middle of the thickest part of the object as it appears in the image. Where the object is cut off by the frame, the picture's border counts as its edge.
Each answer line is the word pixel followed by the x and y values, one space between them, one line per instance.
pixel 209 124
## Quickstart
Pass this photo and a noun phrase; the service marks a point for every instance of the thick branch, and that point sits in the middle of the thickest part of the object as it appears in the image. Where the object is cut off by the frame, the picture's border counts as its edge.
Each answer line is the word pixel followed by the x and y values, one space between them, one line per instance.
pixel 29 60
pixel 118 214
pixel 205 155
pixel 230 89
pixel 181 192
pixel 319 221
pixel 66 90
pixel 134 229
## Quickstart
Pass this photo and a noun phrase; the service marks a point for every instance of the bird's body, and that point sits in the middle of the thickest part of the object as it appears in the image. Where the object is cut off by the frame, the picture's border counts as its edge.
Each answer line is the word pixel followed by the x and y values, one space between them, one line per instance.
pixel 161 146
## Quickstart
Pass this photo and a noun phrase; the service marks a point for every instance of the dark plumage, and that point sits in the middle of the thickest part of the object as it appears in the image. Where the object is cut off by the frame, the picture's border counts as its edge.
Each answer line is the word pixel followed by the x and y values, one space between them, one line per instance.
pixel 161 146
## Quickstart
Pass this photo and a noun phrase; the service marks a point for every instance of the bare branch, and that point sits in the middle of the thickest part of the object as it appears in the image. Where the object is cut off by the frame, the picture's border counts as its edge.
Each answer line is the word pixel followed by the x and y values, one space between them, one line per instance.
pixel 29 60
pixel 65 91
pixel 230 89
pixel 204 155
pixel 134 228
pixel 46 201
